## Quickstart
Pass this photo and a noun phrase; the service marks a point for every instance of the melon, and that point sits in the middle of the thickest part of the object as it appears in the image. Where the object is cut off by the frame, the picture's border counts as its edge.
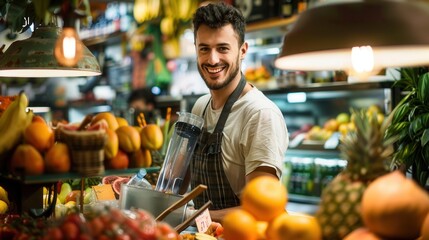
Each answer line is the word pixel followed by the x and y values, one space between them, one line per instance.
pixel 394 206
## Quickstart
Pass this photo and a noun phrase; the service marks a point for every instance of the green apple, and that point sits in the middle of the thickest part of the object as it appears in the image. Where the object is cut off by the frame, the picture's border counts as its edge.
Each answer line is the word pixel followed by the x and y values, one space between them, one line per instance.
pixel 87 196
pixel 65 190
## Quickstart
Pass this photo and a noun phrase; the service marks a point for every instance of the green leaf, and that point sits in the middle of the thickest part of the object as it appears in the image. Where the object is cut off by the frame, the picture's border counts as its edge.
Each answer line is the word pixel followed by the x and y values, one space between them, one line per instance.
pixel 416 126
pixel 423 177
pixel 425 138
pixel 423 88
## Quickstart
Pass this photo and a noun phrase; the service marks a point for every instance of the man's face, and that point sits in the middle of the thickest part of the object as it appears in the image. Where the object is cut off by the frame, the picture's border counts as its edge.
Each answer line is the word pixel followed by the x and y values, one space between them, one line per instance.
pixel 218 55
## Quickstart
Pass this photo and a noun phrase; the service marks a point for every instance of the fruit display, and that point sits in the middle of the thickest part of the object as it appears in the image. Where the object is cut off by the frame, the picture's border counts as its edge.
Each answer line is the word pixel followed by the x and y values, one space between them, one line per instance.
pixel 263 215
pixel 342 123
pixel 257 74
pixel 367 153
pixel 13 122
pixel 4 201
pixel 97 223
pixel 32 146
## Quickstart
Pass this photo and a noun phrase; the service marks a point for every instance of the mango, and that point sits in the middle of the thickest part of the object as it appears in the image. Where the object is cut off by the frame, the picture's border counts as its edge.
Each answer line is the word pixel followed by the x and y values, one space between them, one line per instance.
pixel 151 137
pixel 129 139
pixel 109 117
pixel 28 160
pixel 141 158
pixel 57 159
pixel 112 145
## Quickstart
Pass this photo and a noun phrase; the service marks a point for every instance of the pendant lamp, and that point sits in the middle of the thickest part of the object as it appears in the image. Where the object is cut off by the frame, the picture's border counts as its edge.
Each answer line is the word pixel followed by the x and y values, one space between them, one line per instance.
pixel 355 36
pixel 34 58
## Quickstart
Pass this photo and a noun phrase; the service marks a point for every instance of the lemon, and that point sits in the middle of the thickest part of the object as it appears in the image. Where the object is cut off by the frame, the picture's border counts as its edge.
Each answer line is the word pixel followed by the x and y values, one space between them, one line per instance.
pixel 3 195
pixel 3 207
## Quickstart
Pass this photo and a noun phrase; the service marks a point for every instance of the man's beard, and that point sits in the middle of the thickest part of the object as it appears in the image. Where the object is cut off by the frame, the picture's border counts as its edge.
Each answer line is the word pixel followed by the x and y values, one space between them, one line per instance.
pixel 228 80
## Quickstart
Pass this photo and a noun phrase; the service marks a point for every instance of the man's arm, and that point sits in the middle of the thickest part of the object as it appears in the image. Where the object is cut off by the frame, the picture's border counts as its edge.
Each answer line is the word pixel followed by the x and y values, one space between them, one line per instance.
pixel 217 215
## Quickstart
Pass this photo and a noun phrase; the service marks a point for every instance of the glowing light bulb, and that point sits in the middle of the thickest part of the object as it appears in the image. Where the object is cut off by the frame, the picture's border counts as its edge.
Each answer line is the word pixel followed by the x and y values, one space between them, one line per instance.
pixel 363 64
pixel 68 48
pixel 362 59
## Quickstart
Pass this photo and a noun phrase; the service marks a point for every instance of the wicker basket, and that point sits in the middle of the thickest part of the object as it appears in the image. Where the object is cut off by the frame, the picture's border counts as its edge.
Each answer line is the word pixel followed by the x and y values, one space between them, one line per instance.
pixel 87 150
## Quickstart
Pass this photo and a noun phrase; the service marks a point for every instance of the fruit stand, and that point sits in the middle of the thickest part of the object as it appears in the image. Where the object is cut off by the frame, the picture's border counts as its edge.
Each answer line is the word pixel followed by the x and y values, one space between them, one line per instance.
pixel 26 192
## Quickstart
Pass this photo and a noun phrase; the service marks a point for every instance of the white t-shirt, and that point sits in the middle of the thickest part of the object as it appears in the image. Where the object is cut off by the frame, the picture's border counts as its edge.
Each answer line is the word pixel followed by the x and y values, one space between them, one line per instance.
pixel 255 134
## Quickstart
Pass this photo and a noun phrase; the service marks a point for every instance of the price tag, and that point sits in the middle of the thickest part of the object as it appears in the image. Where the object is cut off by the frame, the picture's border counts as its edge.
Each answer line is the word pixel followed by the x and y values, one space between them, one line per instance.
pixel 203 221
pixel 104 192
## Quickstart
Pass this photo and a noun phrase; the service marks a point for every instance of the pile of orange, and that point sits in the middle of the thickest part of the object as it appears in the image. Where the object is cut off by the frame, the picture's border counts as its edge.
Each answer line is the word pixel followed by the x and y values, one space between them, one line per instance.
pixel 263 215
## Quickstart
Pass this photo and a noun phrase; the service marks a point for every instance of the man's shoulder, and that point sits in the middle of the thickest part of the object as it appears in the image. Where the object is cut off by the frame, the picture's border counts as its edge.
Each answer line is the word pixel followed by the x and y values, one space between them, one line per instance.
pixel 200 103
pixel 256 99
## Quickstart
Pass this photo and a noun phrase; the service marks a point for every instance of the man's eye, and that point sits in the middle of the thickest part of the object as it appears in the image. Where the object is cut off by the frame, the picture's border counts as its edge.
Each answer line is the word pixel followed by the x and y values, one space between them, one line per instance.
pixel 223 49
pixel 203 49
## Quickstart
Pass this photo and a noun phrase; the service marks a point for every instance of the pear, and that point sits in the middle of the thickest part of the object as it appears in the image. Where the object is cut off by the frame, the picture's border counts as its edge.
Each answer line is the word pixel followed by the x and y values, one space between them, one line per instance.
pixel 65 190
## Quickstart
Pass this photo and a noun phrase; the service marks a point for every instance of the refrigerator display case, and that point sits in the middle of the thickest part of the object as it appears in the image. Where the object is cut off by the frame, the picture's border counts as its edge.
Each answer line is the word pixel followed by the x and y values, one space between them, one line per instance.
pixel 312 164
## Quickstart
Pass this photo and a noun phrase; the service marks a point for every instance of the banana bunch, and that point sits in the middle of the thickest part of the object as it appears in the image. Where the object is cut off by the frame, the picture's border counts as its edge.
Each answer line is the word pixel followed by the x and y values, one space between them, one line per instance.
pixel 145 10
pixel 180 9
pixel 13 122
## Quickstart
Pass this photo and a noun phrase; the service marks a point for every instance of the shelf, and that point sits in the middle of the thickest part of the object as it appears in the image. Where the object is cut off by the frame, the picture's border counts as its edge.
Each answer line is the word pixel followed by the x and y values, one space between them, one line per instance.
pixel 333 86
pixel 49 178
pixel 270 23
pixel 111 38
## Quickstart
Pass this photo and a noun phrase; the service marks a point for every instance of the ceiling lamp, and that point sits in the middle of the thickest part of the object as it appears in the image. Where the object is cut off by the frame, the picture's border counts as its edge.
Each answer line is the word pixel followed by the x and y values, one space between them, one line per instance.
pixel 34 58
pixel 360 37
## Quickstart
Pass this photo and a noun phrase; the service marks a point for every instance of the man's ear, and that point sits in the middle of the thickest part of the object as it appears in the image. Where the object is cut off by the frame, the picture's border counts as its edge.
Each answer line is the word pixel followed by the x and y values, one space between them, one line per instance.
pixel 243 50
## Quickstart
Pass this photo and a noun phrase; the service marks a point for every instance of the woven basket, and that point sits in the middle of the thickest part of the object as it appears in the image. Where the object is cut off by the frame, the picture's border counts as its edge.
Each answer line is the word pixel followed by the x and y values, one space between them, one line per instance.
pixel 87 150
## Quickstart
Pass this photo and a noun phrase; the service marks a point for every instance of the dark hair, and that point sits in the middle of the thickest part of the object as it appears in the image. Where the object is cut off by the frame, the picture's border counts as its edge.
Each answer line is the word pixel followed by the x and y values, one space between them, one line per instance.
pixel 216 15
pixel 144 94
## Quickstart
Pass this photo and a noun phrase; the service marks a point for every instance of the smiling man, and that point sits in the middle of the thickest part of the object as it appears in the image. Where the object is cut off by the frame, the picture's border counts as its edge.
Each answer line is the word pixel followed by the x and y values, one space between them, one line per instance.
pixel 245 134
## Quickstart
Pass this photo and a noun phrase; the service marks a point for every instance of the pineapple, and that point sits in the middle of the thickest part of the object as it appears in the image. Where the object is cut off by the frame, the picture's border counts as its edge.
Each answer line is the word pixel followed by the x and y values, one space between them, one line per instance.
pixel 368 155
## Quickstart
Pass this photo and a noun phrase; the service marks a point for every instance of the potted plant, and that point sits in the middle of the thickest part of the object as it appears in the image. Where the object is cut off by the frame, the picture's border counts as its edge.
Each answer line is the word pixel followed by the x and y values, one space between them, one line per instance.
pixel 411 123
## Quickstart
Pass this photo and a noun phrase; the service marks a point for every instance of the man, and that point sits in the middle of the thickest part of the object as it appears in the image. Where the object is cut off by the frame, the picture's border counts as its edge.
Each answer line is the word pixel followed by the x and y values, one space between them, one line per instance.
pixel 142 100
pixel 245 133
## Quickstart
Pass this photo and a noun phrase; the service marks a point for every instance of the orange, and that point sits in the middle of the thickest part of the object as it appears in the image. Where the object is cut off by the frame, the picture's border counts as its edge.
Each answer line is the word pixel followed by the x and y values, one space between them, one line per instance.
pixel 57 159
pixel 120 161
pixel 239 225
pixel 109 117
pixel 151 137
pixel 362 233
pixel 27 159
pixel 296 227
pixel 39 135
pixel 264 197
pixel 424 232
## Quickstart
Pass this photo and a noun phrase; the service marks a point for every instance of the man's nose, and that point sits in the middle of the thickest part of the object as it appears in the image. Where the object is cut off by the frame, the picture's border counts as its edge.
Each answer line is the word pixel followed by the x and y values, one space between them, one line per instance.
pixel 213 57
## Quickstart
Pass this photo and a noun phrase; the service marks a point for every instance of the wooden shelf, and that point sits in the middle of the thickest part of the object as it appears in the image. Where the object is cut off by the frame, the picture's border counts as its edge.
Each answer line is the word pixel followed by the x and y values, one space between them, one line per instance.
pixel 270 23
pixel 51 178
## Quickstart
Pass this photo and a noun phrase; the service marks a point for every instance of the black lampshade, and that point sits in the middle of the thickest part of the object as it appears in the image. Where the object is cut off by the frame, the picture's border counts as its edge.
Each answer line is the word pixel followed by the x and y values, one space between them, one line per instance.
pixel 323 36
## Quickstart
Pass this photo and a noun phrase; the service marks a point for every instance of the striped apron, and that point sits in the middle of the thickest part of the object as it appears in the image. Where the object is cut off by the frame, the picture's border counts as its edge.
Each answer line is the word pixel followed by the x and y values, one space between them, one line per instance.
pixel 206 165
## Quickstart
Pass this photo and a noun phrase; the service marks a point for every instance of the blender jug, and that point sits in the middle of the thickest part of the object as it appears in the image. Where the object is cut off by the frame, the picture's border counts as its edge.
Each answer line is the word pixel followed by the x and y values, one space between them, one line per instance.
pixel 186 132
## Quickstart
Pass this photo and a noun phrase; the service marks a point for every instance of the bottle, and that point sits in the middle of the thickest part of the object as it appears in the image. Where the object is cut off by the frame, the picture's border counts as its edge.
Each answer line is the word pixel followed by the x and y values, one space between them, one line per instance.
pixel 139 180
pixel 287 8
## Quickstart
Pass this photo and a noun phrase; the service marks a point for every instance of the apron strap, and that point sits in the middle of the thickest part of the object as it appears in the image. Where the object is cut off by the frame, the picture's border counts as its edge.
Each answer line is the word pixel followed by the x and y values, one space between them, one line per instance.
pixel 228 105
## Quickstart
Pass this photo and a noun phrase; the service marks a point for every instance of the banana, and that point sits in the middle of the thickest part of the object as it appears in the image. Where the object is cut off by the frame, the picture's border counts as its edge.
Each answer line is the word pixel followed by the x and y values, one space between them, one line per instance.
pixel 4 195
pixel 13 123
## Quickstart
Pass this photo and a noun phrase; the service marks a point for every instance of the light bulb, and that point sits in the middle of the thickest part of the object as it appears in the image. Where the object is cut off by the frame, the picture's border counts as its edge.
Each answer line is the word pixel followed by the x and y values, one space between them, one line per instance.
pixel 68 48
pixel 362 61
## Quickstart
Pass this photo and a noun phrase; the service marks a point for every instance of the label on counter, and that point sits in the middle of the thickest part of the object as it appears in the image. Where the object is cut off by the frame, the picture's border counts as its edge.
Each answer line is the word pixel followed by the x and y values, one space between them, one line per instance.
pixel 203 221
pixel 104 192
